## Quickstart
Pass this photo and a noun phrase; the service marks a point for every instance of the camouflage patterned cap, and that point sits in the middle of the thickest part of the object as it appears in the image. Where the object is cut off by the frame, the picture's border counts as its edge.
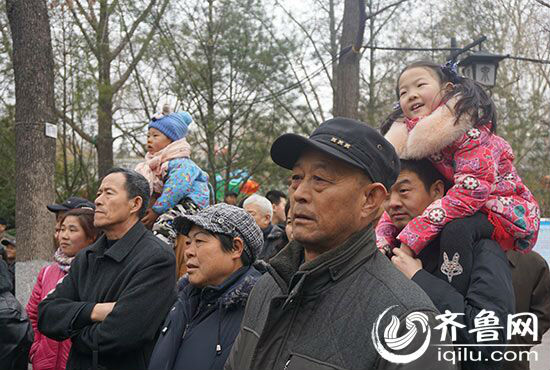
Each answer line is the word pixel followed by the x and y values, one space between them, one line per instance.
pixel 228 220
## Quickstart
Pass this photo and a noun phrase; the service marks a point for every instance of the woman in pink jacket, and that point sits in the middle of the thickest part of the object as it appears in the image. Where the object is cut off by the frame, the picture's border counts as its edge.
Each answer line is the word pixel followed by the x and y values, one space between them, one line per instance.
pixel 77 232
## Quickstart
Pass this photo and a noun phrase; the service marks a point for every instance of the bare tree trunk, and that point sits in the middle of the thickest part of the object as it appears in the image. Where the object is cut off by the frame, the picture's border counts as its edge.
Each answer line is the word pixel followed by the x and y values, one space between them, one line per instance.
pixel 104 142
pixel 34 94
pixel 346 92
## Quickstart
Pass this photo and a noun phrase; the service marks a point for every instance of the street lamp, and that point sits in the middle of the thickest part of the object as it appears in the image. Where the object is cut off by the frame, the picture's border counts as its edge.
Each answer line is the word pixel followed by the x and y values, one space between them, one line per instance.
pixel 481 66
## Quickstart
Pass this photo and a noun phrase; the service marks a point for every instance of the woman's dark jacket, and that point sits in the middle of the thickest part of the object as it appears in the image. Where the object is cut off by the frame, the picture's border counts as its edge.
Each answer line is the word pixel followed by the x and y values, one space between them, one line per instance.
pixel 200 329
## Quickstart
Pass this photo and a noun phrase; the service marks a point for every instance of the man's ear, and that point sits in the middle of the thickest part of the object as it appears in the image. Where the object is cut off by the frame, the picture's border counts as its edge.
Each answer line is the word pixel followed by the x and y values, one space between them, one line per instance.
pixel 437 190
pixel 238 248
pixel 374 196
pixel 135 204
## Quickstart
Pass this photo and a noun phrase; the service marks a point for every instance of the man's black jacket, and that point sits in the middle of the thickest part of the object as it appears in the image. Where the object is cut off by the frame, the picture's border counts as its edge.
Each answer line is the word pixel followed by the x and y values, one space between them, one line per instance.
pixel 490 289
pixel 138 273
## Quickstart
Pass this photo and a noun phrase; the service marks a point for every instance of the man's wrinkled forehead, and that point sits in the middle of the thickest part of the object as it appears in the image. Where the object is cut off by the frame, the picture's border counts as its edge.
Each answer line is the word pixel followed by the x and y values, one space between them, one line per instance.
pixel 116 181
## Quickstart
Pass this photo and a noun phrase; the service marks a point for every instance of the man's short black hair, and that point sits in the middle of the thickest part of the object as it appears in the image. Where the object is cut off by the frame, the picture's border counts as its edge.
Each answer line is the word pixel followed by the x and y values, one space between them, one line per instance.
pixel 136 186
pixel 425 171
pixel 3 221
pixel 230 194
pixel 275 196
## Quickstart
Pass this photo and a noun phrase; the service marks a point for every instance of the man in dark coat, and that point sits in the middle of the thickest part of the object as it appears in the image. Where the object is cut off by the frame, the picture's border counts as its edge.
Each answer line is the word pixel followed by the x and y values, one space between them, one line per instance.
pixel 117 292
pixel 328 295
pixel 489 281
pixel 16 333
pixel 531 279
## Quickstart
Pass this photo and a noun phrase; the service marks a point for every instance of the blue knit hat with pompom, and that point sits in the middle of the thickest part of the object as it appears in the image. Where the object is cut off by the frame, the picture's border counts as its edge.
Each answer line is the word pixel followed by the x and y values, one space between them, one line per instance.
pixel 173 125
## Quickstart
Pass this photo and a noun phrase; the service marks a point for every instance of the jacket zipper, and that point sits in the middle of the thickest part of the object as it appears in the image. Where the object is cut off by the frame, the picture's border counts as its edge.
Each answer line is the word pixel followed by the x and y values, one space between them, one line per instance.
pixel 294 313
pixel 287 363
pixel 185 331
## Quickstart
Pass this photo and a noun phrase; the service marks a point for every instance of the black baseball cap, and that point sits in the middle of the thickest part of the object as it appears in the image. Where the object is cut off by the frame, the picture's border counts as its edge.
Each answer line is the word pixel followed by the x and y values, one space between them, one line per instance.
pixel 71 203
pixel 346 139
pixel 7 242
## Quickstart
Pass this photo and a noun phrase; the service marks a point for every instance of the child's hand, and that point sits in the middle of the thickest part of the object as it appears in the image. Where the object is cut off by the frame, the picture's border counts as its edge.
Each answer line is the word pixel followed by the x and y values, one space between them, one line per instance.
pixel 149 218
pixel 405 263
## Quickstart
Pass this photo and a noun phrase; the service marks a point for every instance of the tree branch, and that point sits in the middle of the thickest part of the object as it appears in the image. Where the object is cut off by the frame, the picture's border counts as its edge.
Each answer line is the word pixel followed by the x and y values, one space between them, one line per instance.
pixel 84 33
pixel 75 127
pixel 133 28
pixel 90 18
pixel 118 84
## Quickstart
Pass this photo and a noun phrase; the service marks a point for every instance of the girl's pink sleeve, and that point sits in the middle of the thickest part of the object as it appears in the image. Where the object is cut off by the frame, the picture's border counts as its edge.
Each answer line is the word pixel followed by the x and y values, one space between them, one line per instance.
pixel 386 232
pixel 475 173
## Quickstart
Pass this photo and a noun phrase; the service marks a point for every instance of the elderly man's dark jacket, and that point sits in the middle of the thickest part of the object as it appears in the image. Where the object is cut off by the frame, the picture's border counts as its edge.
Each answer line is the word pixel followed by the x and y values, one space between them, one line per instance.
pixel 320 314
pixel 138 273
pixel 490 289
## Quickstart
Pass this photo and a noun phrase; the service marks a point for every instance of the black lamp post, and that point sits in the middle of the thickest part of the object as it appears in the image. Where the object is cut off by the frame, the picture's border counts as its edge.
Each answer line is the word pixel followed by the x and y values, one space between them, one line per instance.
pixel 481 66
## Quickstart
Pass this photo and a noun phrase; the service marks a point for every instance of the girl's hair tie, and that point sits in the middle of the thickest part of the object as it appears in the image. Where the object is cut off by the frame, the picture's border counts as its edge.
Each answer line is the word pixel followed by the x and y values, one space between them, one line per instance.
pixel 396 105
pixel 449 69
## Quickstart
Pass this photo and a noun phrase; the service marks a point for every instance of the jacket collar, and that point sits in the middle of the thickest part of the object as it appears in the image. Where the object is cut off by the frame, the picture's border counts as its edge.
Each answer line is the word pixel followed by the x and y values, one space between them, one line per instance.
pixel 275 233
pixel 513 257
pixel 123 246
pixel 234 291
pixel 430 134
pixel 293 275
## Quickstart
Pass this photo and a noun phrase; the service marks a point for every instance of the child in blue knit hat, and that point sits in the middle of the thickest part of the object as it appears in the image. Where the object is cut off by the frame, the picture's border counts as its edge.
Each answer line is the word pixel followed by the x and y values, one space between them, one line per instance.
pixel 178 185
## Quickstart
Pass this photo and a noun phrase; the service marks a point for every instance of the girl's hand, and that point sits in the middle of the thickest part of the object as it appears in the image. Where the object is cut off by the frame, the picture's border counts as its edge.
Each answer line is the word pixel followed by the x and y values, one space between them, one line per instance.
pixel 149 218
pixel 405 263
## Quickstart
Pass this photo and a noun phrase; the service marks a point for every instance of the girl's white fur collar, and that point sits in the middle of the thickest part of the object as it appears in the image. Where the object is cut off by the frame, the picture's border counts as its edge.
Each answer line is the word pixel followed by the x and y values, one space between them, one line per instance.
pixel 431 133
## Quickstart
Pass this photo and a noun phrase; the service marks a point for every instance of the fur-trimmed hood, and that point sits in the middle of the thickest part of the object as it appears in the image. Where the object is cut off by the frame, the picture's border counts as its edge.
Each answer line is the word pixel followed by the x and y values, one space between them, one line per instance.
pixel 430 134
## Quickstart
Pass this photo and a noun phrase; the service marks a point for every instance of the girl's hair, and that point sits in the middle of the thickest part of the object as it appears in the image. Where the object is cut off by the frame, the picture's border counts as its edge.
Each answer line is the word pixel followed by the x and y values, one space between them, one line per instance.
pixel 472 98
pixel 86 219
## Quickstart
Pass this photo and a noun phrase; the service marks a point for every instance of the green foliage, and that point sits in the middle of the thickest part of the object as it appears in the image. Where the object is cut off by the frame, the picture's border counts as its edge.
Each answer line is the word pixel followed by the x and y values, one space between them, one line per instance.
pixel 7 164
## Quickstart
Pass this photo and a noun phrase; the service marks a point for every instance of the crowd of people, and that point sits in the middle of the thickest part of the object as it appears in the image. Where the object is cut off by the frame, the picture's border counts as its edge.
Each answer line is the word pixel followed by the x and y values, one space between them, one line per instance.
pixel 424 218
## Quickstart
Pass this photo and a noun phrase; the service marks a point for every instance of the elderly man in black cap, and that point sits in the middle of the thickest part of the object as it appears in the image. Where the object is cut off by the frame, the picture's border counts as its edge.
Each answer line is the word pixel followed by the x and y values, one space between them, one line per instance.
pixel 328 295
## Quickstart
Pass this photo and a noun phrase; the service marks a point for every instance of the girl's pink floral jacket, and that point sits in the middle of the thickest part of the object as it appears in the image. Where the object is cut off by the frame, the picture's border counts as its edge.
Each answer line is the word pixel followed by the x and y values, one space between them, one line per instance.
pixel 480 165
